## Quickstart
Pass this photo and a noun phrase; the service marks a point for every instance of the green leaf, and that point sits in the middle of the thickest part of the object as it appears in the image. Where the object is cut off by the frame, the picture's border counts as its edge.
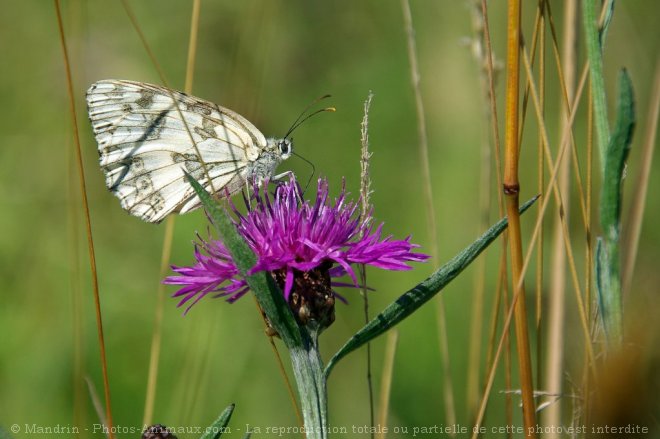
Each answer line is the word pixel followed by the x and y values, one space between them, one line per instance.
pixel 608 263
pixel 263 286
pixel 617 152
pixel 215 430
pixel 4 434
pixel 412 300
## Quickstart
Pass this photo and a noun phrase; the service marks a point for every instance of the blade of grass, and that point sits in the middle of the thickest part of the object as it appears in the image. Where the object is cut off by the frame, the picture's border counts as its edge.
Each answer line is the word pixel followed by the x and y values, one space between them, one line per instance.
pixel 502 279
pixel 156 336
pixel 554 354
pixel 448 391
pixel 485 189
pixel 77 292
pixel 156 340
pixel 552 187
pixel 493 109
pixel 96 401
pixel 88 221
pixel 413 299
pixel 219 426
pixel 540 188
pixel 197 377
pixel 386 382
pixel 192 46
pixel 74 234
pixel 491 373
pixel 566 134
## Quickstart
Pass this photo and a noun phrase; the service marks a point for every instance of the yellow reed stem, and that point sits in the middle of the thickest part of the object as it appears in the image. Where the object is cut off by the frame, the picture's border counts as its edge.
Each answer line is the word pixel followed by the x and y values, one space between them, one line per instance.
pixel 511 188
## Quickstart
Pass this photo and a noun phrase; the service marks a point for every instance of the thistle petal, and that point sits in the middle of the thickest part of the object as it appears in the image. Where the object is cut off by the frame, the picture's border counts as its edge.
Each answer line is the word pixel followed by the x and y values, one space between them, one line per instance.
pixel 293 236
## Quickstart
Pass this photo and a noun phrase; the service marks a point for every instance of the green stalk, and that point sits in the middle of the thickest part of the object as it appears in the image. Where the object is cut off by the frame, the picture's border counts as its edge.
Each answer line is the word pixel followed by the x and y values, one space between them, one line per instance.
pixel 302 341
pixel 308 372
pixel 595 55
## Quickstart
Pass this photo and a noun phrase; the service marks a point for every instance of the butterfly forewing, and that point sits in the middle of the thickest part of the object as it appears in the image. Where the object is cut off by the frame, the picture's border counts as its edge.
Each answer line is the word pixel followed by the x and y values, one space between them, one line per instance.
pixel 149 135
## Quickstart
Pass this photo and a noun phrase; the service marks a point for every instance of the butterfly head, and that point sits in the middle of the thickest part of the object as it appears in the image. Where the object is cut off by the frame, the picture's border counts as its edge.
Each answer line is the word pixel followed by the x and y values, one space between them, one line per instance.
pixel 284 148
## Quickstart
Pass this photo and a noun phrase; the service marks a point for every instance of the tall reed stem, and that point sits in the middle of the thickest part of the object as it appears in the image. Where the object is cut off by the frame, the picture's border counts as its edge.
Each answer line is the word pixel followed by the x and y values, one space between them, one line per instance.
pixel 511 188
pixel 555 341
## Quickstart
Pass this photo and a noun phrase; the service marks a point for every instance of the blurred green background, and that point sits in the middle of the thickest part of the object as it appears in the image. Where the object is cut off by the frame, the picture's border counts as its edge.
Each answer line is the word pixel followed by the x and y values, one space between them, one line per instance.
pixel 266 60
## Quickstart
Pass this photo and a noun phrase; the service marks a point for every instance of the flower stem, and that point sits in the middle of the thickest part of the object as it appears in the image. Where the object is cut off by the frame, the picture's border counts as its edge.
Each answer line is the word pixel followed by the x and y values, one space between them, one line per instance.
pixel 308 372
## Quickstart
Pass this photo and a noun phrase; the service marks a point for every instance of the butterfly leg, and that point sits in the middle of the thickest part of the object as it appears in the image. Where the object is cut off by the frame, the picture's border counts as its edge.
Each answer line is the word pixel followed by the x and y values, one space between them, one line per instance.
pixel 247 196
pixel 280 177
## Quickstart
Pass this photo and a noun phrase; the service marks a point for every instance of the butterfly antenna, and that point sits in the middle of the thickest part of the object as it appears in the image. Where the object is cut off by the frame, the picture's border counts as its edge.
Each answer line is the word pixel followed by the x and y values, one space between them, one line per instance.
pixel 309 180
pixel 306 109
pixel 303 117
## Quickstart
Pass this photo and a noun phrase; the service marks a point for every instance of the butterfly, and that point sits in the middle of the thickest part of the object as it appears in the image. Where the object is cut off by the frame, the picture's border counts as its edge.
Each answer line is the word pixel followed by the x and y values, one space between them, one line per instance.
pixel 150 136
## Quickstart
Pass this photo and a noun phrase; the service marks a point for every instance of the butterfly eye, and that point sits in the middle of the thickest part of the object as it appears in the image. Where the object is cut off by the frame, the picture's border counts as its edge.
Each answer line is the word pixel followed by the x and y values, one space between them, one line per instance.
pixel 285 147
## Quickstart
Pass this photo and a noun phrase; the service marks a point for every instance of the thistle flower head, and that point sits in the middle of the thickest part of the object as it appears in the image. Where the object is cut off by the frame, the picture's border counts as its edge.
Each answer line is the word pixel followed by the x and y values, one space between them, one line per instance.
pixel 304 245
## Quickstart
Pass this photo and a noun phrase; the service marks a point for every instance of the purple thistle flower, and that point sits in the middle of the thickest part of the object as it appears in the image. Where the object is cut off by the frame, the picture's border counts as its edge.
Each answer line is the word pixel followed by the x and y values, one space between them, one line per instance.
pixel 303 245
